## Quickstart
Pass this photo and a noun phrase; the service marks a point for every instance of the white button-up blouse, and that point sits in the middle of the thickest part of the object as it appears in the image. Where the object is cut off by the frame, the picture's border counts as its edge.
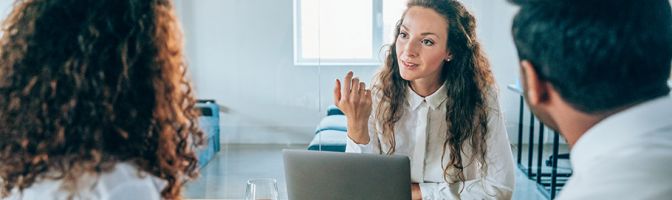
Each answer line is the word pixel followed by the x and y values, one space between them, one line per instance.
pixel 420 134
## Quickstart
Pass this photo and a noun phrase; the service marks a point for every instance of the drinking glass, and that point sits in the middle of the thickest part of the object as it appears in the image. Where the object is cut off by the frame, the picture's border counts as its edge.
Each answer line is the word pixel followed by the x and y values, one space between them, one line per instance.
pixel 261 189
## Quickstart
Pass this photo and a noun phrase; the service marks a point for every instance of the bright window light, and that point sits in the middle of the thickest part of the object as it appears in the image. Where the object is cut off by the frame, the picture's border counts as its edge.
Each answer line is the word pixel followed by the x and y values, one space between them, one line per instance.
pixel 338 32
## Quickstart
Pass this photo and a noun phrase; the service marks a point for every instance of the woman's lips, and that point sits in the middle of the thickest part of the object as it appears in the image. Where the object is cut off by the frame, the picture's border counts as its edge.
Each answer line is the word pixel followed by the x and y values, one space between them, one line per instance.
pixel 409 65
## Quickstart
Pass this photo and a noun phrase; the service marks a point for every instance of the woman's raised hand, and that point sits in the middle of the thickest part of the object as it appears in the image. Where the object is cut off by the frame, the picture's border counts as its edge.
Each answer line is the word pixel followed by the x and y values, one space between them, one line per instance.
pixel 355 101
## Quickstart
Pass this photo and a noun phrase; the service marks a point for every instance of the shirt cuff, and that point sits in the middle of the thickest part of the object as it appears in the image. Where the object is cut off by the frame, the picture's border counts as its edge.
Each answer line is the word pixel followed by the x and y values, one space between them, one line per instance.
pixel 353 147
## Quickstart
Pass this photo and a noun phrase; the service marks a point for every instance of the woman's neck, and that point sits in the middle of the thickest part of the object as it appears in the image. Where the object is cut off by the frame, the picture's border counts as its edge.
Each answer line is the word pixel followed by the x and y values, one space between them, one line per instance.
pixel 425 89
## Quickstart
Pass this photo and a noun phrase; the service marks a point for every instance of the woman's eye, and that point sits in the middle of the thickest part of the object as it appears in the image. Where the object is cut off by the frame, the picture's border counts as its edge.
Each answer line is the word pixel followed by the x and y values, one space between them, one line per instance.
pixel 402 35
pixel 427 42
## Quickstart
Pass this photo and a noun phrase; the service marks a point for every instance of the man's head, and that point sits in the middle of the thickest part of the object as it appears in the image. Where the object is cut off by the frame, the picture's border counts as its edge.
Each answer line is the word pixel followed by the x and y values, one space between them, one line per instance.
pixel 598 56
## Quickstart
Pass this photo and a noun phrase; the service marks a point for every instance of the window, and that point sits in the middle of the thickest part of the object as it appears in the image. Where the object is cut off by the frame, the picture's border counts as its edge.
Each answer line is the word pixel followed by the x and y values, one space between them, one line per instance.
pixel 5 8
pixel 343 32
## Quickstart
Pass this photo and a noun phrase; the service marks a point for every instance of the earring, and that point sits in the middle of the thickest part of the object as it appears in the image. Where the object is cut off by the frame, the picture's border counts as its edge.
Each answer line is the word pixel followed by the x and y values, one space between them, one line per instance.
pixel 447 59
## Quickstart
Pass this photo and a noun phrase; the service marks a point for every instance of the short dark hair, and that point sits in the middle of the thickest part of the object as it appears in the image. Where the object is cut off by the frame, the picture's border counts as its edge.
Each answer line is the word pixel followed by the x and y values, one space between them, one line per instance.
pixel 599 55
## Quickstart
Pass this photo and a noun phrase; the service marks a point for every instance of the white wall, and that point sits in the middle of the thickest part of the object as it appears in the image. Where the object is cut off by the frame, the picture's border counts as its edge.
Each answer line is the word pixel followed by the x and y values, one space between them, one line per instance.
pixel 240 53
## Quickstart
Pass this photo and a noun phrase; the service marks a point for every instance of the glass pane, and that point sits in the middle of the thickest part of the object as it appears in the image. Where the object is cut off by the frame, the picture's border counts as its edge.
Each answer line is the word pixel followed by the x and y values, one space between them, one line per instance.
pixel 240 53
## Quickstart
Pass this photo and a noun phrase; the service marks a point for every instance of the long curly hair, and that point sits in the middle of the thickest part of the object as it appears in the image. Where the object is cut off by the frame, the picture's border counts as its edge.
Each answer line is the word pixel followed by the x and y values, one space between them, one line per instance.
pixel 86 84
pixel 468 80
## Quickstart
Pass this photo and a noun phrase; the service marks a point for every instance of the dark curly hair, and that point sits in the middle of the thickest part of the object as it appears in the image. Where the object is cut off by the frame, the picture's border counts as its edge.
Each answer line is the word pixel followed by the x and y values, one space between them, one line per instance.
pixel 468 83
pixel 86 84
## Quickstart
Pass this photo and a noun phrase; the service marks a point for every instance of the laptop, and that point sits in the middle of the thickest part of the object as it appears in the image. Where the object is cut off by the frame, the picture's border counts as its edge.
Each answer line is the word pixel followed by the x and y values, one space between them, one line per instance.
pixel 334 175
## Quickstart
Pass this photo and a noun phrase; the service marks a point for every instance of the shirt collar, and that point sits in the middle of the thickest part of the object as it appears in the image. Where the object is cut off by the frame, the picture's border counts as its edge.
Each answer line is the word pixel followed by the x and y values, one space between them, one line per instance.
pixel 434 100
pixel 619 128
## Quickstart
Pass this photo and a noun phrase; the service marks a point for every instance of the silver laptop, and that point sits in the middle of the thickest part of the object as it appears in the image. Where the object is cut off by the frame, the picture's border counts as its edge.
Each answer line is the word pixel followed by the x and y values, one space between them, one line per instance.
pixel 333 175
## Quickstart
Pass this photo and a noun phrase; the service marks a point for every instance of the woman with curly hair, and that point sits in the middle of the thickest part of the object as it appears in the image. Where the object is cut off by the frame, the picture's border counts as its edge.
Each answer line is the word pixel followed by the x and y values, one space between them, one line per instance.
pixel 435 101
pixel 94 103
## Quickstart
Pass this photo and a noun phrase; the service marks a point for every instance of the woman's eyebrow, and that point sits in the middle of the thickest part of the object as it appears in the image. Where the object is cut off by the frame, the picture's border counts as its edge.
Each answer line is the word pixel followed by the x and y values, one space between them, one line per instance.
pixel 424 33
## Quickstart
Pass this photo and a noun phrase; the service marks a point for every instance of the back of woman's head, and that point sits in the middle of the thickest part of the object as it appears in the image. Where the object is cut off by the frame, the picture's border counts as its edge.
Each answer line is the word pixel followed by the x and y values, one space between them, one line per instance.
pixel 85 84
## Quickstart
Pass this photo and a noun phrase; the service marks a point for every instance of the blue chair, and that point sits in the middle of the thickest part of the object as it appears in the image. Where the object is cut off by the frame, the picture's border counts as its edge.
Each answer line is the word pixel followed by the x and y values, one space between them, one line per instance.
pixel 331 132
pixel 209 123
pixel 333 110
pixel 329 140
pixel 332 122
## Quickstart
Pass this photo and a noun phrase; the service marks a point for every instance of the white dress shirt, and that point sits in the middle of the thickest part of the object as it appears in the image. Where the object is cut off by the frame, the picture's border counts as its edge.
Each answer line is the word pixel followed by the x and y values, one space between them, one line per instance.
pixel 123 182
pixel 420 134
pixel 626 156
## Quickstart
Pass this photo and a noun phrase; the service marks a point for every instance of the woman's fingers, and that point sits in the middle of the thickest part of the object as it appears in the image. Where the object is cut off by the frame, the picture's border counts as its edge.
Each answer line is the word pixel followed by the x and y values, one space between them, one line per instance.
pixel 351 91
pixel 355 85
pixel 354 92
pixel 337 92
pixel 347 81
pixel 367 96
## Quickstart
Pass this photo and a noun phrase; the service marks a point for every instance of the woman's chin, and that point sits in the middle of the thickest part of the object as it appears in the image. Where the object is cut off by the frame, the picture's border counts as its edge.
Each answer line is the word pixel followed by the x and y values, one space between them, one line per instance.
pixel 407 77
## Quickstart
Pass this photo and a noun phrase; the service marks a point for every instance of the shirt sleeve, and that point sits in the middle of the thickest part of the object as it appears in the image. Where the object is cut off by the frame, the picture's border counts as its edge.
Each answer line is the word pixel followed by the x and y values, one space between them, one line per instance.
pixel 498 182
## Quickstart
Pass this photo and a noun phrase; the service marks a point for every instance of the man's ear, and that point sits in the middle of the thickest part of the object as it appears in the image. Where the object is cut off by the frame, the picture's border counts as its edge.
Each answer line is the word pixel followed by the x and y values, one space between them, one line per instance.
pixel 535 89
